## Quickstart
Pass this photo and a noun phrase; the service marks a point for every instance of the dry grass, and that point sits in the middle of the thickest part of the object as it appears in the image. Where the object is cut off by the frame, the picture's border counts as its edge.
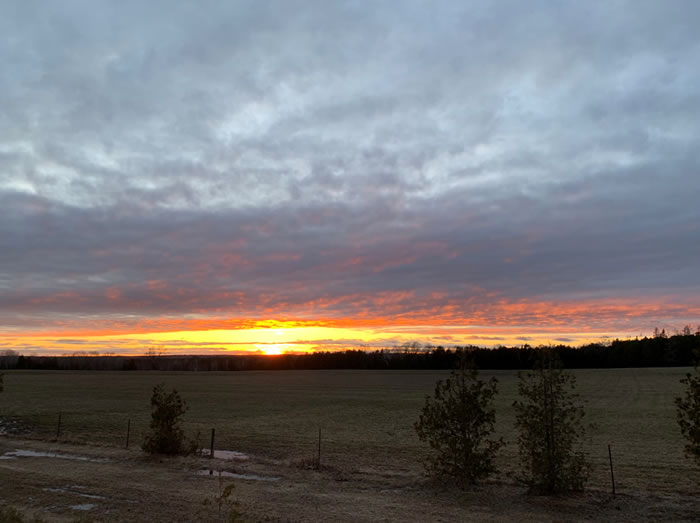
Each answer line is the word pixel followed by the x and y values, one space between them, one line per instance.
pixel 371 455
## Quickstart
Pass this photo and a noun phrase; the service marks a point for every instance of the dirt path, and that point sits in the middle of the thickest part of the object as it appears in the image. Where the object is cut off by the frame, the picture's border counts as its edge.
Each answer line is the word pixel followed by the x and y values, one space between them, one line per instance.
pixel 62 482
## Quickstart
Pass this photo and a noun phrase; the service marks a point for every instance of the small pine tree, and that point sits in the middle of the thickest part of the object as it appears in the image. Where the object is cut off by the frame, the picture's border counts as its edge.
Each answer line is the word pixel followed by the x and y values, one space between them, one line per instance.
pixel 550 421
pixel 457 423
pixel 688 411
pixel 166 435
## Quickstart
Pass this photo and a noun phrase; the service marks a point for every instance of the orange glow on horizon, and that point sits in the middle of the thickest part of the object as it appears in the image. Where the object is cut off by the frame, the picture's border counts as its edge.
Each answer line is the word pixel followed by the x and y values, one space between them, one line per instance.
pixel 292 340
pixel 492 324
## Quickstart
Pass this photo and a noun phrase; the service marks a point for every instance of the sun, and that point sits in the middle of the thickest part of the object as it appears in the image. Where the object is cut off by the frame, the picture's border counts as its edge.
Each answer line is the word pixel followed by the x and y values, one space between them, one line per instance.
pixel 273 349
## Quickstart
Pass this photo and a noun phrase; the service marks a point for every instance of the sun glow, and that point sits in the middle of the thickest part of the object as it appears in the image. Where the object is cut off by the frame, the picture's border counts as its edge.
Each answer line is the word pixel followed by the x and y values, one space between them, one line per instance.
pixel 272 337
pixel 274 349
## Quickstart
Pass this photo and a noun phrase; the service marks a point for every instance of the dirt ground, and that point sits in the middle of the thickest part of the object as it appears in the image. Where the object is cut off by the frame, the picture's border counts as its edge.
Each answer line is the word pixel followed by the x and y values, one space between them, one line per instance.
pixel 68 482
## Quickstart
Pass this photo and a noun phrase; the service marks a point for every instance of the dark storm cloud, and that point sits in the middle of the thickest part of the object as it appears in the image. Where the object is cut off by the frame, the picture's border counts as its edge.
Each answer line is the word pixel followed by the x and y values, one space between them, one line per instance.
pixel 343 158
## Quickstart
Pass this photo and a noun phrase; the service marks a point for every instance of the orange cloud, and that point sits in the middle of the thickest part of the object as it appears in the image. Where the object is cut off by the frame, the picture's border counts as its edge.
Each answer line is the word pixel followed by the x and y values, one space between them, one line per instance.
pixel 435 312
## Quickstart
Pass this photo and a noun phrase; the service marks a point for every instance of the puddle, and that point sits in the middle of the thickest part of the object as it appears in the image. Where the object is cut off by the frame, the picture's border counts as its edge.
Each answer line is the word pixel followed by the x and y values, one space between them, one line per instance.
pixel 226 454
pixel 68 490
pixel 224 474
pixel 83 506
pixel 91 496
pixel 36 454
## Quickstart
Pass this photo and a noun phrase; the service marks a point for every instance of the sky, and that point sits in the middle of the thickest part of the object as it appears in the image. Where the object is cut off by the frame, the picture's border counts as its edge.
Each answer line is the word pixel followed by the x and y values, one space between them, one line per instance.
pixel 277 176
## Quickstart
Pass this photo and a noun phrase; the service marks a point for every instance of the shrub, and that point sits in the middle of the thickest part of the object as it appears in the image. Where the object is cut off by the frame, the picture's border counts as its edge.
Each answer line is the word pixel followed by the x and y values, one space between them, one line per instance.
pixel 166 435
pixel 688 411
pixel 227 507
pixel 550 422
pixel 457 422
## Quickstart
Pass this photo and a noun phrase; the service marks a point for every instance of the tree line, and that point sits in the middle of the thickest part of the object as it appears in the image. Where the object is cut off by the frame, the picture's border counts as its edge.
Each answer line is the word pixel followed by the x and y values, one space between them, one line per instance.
pixel 659 350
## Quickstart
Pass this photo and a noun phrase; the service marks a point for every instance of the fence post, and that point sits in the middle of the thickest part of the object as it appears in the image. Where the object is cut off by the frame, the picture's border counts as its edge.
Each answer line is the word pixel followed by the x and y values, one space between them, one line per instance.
pixel 58 426
pixel 612 473
pixel 211 454
pixel 128 432
pixel 318 459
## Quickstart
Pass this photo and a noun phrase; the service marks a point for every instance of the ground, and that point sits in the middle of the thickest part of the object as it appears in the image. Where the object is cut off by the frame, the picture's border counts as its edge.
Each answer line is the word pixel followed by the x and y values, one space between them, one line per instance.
pixel 371 468
pixel 125 485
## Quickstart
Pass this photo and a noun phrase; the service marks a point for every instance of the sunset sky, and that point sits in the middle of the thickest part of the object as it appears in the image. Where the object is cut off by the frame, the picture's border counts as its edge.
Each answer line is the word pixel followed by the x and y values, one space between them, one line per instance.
pixel 317 175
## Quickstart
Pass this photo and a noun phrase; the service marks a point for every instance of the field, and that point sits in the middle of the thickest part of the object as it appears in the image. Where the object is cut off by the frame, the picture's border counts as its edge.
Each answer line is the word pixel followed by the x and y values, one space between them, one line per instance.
pixel 371 457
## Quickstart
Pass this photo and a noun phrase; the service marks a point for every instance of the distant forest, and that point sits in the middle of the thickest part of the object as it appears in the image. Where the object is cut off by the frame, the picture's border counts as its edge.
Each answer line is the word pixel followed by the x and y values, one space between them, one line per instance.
pixel 660 350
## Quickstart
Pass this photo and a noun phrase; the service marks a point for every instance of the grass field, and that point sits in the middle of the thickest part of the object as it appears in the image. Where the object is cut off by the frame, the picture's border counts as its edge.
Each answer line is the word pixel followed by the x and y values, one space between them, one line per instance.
pixel 366 417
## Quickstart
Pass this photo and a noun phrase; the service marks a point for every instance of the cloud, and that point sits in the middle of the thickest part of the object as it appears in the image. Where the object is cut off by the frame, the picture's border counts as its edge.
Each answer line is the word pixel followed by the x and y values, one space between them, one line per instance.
pixel 494 163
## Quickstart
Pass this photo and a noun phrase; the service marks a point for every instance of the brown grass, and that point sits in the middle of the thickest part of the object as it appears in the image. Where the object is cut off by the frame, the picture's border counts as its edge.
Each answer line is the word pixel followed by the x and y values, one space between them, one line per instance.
pixel 370 453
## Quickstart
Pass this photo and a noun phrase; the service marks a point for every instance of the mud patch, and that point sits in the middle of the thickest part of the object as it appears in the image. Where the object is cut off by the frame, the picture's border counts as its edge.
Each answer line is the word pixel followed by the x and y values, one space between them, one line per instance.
pixel 12 427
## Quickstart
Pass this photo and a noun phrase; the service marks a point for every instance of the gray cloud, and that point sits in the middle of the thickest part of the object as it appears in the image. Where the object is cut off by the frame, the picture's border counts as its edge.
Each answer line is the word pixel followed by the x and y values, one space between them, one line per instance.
pixel 346 159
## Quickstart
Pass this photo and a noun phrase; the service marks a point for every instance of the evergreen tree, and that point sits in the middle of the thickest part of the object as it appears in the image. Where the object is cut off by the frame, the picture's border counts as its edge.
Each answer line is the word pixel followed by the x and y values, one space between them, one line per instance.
pixel 457 422
pixel 688 411
pixel 550 421
pixel 166 435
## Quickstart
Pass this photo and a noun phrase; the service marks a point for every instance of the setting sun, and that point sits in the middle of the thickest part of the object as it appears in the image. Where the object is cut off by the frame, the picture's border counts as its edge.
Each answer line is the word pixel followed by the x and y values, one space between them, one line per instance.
pixel 274 349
